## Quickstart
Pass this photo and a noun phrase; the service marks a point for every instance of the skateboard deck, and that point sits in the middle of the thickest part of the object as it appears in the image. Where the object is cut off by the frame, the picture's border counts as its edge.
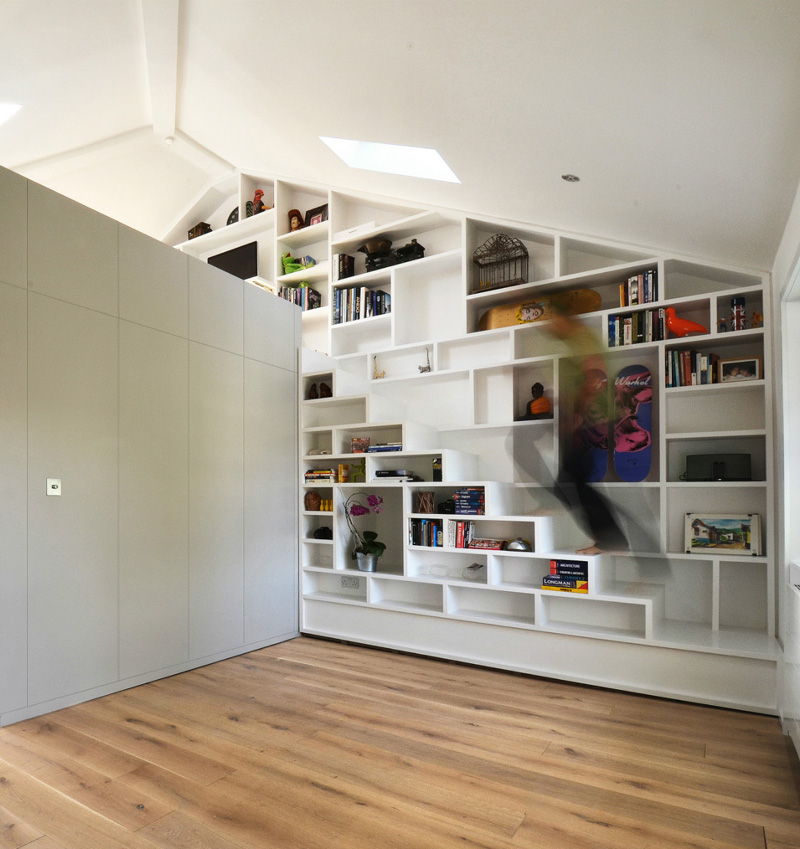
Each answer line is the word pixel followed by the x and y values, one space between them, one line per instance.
pixel 523 312
pixel 633 404
pixel 591 432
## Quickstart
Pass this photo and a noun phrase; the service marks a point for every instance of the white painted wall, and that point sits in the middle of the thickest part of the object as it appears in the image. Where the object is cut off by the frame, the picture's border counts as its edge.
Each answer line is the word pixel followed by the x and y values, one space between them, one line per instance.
pixel 163 393
pixel 786 283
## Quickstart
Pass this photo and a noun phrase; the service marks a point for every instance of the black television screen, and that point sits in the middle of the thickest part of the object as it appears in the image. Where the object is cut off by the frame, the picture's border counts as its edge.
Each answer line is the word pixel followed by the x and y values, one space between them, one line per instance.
pixel 241 262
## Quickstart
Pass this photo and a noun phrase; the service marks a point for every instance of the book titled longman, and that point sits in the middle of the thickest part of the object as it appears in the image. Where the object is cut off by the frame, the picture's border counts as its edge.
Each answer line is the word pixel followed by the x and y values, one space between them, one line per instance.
pixel 569 585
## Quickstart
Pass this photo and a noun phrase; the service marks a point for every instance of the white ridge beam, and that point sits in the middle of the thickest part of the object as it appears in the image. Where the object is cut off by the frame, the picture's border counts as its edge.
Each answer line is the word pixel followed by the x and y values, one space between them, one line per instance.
pixel 160 19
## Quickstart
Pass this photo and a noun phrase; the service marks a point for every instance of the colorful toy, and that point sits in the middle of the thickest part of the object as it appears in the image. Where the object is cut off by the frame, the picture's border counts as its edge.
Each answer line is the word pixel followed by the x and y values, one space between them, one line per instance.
pixel 738 315
pixel 682 326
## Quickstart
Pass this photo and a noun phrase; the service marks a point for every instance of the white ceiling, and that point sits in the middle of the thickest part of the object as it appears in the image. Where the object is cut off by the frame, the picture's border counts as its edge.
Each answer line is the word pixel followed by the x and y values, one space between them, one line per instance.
pixel 681 117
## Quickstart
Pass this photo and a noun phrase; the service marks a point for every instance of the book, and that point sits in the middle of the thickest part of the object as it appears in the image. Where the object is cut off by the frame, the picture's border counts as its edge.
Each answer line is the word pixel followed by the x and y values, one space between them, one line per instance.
pixel 487 544
pixel 345 266
pixel 570 568
pixel 359 444
pixel 556 582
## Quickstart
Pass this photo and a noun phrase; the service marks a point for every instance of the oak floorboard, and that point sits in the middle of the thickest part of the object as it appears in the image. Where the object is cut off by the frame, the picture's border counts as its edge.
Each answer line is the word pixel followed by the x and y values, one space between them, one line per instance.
pixel 15 832
pixel 74 745
pixel 44 843
pixel 64 820
pixel 316 744
pixel 538 790
pixel 83 785
pixel 132 741
pixel 179 831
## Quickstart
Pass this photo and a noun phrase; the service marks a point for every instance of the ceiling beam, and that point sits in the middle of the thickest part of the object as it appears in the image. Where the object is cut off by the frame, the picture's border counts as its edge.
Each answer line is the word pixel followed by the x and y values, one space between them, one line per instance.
pixel 160 18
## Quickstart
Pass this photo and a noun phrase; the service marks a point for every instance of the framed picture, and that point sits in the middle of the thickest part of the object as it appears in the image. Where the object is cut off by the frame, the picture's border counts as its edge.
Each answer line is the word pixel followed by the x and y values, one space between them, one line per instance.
pixel 317 215
pixel 743 368
pixel 728 533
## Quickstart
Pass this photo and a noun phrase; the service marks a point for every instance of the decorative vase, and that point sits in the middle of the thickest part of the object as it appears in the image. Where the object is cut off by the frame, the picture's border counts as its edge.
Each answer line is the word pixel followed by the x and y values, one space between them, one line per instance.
pixel 366 562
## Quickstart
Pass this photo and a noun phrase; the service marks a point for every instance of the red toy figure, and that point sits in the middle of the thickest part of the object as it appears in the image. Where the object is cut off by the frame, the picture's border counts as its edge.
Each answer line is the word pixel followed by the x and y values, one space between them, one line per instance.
pixel 682 326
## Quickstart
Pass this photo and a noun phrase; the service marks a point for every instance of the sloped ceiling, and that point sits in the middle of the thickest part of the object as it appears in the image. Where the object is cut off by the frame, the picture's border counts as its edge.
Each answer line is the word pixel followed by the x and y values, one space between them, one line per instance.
pixel 681 117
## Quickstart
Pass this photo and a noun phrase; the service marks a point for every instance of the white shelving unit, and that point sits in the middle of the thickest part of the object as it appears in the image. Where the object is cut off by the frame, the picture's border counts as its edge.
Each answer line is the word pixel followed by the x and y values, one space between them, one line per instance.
pixel 656 619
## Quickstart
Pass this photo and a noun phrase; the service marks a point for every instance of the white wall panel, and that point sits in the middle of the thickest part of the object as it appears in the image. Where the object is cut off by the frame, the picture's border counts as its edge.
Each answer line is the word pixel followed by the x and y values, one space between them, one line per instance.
pixel 153 283
pixel 13 497
pixel 216 308
pixel 72 251
pixel 270 560
pixel 272 328
pixel 72 549
pixel 216 500
pixel 153 499
pixel 14 229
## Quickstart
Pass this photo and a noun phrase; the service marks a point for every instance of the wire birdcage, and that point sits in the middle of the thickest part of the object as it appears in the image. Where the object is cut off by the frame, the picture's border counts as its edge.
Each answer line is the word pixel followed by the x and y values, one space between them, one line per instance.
pixel 500 261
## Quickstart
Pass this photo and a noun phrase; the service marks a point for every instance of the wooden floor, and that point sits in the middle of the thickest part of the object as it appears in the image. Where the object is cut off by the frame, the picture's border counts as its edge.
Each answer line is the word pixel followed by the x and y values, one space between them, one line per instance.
pixel 319 745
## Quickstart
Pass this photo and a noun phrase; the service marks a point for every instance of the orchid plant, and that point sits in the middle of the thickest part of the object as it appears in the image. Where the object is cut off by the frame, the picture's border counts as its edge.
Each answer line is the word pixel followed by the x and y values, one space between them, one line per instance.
pixel 362 504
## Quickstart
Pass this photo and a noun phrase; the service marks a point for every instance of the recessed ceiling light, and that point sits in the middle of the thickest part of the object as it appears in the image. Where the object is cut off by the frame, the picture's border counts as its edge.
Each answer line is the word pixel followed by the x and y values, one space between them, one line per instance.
pixel 570 178
pixel 8 110
pixel 392 159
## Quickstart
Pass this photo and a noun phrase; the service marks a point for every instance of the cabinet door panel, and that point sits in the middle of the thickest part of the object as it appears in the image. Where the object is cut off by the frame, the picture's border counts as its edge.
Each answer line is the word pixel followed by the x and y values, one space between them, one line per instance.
pixel 154 500
pixel 216 307
pixel 216 482
pixel 271 328
pixel 13 496
pixel 153 283
pixel 14 229
pixel 72 251
pixel 72 548
pixel 270 501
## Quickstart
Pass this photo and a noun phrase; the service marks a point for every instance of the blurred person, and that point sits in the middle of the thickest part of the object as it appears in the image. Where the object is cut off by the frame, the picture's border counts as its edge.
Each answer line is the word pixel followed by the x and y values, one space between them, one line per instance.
pixel 585 449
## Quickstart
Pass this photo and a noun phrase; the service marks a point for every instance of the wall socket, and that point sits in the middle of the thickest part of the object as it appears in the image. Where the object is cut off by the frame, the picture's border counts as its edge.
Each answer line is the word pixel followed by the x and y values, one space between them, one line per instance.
pixel 349 583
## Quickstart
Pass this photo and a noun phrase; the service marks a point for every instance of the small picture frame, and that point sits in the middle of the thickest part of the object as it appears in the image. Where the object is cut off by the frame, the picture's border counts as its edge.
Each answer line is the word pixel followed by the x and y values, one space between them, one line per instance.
pixel 317 215
pixel 723 533
pixel 741 368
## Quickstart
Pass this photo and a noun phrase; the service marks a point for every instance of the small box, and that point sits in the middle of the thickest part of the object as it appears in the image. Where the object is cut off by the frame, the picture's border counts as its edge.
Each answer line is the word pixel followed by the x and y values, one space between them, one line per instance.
pixel 718 467
pixel 359 444
pixel 199 230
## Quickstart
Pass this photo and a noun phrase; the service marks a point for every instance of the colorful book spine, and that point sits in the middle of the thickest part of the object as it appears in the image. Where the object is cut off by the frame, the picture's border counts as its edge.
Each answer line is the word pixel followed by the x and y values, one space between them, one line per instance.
pixel 556 582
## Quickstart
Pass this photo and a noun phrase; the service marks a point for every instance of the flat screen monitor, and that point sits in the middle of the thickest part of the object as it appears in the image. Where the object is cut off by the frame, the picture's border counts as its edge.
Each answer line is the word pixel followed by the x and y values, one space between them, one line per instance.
pixel 241 262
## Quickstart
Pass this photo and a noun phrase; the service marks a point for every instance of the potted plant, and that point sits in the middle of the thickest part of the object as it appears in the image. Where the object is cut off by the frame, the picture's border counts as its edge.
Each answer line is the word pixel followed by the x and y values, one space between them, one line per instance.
pixel 367 548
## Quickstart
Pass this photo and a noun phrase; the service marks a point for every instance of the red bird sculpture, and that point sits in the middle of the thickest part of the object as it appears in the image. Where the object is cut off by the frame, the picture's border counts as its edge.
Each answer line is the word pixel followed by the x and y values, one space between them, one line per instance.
pixel 682 326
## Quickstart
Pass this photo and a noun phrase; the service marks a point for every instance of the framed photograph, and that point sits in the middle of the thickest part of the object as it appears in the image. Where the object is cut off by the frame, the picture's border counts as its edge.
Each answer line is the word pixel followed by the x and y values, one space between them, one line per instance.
pixel 317 215
pixel 743 368
pixel 728 533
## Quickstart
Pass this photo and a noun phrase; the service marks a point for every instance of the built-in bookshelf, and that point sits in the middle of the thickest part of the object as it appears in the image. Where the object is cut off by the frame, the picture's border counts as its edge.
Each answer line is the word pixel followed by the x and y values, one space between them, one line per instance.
pixel 444 390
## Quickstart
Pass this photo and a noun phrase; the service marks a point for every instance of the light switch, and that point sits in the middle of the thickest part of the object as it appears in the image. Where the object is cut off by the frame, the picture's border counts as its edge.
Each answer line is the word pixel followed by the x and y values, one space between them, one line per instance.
pixel 54 486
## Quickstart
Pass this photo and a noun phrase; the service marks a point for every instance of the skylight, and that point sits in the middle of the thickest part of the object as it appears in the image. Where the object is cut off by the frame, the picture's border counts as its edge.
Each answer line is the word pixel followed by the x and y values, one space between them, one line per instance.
pixel 392 159
pixel 8 110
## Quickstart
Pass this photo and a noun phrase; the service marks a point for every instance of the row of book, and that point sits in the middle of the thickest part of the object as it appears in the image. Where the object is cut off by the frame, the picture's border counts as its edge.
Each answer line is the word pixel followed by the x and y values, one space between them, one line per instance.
pixel 639 289
pixel 441 533
pixel 304 296
pixel 691 368
pixel 569 576
pixel 351 303
pixel 470 500
pixel 383 447
pixel 642 326
pixel 321 476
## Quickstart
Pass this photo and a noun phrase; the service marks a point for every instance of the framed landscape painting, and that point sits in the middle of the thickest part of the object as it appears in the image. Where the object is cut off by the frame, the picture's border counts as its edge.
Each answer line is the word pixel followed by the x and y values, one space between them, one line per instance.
pixel 729 533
